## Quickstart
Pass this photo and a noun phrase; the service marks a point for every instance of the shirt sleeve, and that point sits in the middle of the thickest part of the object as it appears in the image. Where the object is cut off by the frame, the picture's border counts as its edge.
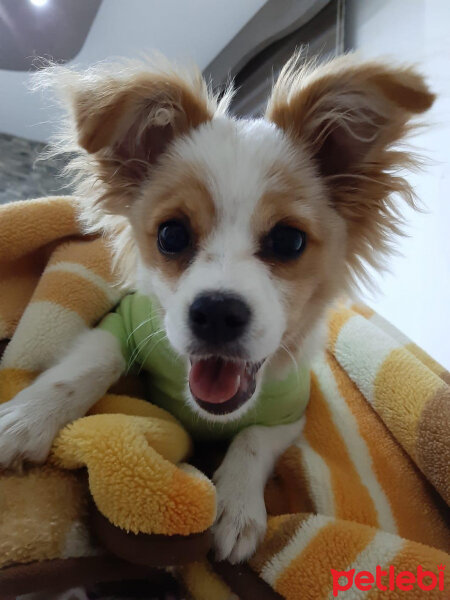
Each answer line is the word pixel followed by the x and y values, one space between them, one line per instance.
pixel 114 323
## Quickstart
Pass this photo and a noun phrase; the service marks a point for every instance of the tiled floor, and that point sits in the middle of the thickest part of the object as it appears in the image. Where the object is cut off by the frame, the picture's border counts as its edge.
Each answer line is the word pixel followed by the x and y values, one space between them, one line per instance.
pixel 21 176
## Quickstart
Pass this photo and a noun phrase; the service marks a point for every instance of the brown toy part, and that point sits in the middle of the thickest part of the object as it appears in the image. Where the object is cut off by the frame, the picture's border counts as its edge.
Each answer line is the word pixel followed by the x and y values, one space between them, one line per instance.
pixel 149 550
pixel 61 574
pixel 133 557
pixel 244 582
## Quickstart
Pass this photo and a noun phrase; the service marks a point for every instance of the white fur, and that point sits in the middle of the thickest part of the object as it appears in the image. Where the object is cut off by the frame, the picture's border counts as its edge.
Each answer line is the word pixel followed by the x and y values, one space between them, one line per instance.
pixel 235 158
pixel 30 421
pixel 227 260
pixel 240 481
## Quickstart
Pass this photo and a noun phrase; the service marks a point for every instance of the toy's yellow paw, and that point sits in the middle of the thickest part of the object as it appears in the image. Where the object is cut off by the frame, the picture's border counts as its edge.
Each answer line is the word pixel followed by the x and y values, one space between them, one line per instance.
pixel 134 475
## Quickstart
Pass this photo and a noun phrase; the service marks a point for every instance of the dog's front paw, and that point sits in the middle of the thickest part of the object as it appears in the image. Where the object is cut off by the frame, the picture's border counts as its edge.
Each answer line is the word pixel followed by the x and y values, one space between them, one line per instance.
pixel 241 517
pixel 25 435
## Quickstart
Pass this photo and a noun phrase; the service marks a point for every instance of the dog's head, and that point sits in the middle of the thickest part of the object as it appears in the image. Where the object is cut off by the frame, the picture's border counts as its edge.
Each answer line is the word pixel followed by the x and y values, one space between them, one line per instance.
pixel 245 230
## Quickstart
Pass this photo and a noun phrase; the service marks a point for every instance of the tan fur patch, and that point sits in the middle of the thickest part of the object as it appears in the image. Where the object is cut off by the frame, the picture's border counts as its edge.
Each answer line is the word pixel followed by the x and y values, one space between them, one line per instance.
pixel 310 281
pixel 179 195
pixel 104 115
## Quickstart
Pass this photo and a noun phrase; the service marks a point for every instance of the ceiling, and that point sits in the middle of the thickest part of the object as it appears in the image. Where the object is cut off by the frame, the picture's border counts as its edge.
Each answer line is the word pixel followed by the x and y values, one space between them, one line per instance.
pixel 185 30
pixel 57 29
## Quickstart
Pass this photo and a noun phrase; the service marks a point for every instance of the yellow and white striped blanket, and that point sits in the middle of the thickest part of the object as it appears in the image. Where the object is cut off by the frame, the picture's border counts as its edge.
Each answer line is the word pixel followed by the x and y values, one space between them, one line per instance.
pixel 369 482
pixel 367 486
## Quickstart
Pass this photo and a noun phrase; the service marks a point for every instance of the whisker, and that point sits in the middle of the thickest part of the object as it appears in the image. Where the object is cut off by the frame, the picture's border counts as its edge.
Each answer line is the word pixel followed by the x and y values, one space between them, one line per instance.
pixel 134 356
pixel 149 320
pixel 147 339
pixel 293 359
pixel 164 337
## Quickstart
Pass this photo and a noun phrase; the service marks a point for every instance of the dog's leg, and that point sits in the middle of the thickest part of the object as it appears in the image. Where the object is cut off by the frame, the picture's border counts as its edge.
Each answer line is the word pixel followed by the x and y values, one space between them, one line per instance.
pixel 30 421
pixel 240 481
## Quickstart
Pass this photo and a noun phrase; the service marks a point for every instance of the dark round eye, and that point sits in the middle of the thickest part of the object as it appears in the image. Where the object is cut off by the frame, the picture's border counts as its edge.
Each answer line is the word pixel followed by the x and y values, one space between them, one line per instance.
pixel 173 237
pixel 284 242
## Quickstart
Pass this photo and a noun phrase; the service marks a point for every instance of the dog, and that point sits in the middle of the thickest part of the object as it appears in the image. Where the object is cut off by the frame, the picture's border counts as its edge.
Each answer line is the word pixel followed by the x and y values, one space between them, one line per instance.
pixel 241 231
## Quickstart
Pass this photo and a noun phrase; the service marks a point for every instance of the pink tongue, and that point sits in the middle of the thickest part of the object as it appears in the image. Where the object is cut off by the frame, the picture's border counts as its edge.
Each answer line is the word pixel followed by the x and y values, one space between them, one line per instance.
pixel 215 380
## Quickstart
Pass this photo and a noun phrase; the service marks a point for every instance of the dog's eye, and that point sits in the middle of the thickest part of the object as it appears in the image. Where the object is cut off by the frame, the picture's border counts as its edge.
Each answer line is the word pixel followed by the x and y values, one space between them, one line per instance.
pixel 173 237
pixel 284 242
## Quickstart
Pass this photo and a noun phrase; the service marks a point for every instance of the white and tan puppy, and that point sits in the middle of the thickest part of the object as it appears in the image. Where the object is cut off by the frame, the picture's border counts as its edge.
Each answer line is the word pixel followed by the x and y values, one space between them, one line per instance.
pixel 243 230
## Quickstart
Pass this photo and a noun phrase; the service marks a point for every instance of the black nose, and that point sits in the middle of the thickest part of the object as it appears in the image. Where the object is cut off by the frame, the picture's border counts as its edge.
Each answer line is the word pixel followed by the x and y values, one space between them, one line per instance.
pixel 218 318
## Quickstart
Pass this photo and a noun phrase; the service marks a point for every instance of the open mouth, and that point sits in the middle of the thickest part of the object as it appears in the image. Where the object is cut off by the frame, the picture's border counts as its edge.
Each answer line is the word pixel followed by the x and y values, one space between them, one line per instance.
pixel 219 385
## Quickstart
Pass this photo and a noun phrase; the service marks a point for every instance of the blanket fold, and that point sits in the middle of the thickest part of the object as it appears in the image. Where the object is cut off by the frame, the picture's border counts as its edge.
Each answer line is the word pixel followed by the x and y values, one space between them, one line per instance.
pixel 134 462
pixel 366 487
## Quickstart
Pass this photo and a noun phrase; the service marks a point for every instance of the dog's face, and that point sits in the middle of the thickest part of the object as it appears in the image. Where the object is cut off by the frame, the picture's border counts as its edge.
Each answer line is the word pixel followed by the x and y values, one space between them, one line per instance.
pixel 246 230
pixel 238 242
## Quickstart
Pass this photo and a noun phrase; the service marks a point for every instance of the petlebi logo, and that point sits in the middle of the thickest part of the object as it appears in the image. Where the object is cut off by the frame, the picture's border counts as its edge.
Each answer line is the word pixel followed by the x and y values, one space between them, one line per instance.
pixel 388 579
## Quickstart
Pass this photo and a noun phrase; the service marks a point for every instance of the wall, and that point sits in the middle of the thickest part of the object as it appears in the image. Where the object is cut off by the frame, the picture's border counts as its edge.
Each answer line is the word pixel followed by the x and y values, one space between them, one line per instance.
pixel 182 29
pixel 415 297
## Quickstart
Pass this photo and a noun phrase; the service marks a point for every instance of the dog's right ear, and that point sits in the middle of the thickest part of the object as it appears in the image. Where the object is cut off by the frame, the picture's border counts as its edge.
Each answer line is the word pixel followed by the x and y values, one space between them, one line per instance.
pixel 125 119
pixel 136 118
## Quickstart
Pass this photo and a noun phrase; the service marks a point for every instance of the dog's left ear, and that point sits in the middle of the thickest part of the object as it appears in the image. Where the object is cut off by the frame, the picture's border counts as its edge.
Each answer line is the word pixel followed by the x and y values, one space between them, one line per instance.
pixel 346 112
pixel 348 115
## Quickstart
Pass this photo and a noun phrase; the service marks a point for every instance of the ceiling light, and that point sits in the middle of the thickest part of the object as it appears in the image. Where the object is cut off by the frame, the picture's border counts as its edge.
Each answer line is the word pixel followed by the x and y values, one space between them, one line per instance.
pixel 39 2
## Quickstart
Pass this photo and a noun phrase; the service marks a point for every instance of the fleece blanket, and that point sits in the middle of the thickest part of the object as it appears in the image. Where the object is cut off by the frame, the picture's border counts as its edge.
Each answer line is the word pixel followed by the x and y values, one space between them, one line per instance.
pixel 358 505
pixel 54 284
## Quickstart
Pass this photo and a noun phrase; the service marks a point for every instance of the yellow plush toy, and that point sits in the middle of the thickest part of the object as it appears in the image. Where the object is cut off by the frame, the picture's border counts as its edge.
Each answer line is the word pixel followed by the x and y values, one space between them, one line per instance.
pixel 134 455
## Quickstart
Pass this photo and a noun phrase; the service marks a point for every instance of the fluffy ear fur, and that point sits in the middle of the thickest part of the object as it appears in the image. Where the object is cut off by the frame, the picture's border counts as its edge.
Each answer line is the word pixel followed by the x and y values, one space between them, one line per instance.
pixel 124 116
pixel 136 119
pixel 348 115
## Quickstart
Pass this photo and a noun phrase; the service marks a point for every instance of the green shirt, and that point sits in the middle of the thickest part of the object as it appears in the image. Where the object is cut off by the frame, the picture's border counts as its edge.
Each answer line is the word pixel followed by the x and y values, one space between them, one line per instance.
pixel 137 325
